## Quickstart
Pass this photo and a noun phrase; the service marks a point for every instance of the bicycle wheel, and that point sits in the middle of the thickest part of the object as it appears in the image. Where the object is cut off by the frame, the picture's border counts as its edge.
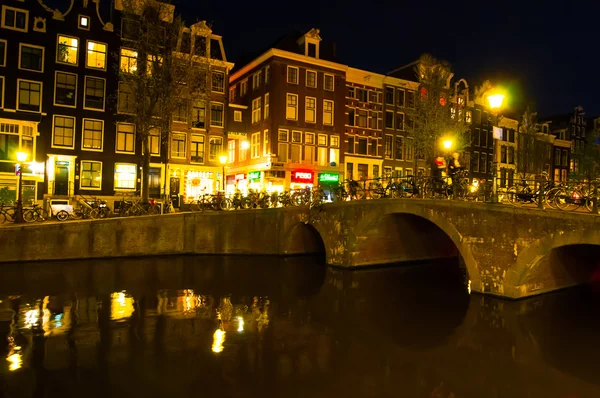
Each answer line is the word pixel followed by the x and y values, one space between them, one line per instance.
pixel 226 204
pixel 29 216
pixel 404 190
pixel 10 214
pixel 376 191
pixel 194 206
pixel 359 192
pixel 512 196
pixel 429 190
pixel 2 218
pixel 153 210
pixel 62 215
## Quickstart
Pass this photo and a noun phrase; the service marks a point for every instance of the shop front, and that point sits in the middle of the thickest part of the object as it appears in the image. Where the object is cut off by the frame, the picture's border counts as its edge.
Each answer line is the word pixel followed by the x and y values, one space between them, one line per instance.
pixel 191 182
pixel 240 181
pixel 328 182
pixel 255 181
pixel 301 179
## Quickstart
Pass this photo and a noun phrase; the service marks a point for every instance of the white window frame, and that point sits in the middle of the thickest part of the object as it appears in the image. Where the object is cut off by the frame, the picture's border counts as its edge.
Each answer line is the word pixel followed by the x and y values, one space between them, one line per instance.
pixel 54 126
pixel 204 154
pixel 237 116
pixel 134 178
pixel 256 80
pixel 41 95
pixel 21 45
pixel 256 110
pixel 266 143
pixel 85 80
pixel 325 82
pixel 287 77
pixel 129 66
pixel 185 146
pixel 319 139
pixel 2 92
pixel 266 103
pixel 80 19
pixel 299 141
pixel 306 109
pixel 287 135
pixel 117 139
pixel 83 148
pixel 87 50
pixel 337 137
pixel 324 112
pixel 5 52
pixel 26 12
pixel 316 77
pixel 222 114
pixel 81 179
pixel 57 52
pixel 267 74
pixel 153 134
pixel 243 87
pixel 76 88
pixel 217 72
pixel 289 107
pixel 306 135
pixel 231 151
pixel 255 145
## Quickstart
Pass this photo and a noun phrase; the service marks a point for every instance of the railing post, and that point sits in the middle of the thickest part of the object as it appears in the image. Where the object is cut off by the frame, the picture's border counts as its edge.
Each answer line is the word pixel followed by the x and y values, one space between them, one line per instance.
pixel 494 197
pixel 540 194
pixel 595 198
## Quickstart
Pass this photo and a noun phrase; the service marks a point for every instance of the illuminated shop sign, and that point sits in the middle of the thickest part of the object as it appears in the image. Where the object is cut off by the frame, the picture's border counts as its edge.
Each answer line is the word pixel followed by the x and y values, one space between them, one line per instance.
pixel 302 176
pixel 254 175
pixel 329 177
pixel 241 176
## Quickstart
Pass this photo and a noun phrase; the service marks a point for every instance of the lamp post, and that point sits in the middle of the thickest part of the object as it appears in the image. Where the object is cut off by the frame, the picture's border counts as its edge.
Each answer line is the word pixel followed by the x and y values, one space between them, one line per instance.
pixel 21 158
pixel 495 102
pixel 223 160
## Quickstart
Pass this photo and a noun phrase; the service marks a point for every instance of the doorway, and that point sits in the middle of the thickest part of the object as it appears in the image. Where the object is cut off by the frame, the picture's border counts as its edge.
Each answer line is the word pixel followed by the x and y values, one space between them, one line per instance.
pixel 154 182
pixel 61 179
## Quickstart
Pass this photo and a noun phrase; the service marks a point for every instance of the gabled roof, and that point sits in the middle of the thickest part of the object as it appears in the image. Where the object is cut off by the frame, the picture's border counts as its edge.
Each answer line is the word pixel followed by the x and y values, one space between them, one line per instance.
pixel 406 72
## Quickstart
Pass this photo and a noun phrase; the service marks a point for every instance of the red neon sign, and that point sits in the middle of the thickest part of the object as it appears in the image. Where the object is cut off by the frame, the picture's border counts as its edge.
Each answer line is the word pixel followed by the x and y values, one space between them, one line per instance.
pixel 303 176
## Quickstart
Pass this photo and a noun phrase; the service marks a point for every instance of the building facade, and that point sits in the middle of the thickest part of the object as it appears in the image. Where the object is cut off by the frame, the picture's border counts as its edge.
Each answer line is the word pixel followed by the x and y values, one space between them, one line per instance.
pixel 289 105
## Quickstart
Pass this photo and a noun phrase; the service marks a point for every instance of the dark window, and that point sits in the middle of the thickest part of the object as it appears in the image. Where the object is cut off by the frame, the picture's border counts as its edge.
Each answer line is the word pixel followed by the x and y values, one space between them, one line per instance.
pixel 312 50
pixel 399 148
pixel 503 178
pixel 511 155
pixel 361 95
pixel 400 97
pixel 475 162
pixel 399 121
pixel 485 118
pixel 565 157
pixel 200 46
pixel 362 146
pixel 475 135
pixel 2 53
pixel 130 29
pixel 186 43
pixel 362 118
pixel 66 85
pixel 410 99
pixel 503 154
pixel 477 118
pixel 32 58
pixel 94 93
pixel 484 138
pixel 349 170
pixel 351 117
pixel 511 135
pixel 483 163
pixel 15 19
pixel 373 147
pixel 215 49
pixel 388 147
pixel 557 157
pixel 350 145
pixel 389 120
pixel 389 95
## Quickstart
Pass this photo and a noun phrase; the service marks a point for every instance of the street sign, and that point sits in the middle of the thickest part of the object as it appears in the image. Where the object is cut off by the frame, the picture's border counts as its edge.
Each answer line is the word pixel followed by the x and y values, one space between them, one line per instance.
pixel 329 177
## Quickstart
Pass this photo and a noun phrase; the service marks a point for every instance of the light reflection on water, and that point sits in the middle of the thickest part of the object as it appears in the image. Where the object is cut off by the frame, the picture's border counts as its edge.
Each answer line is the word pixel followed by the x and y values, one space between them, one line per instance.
pixel 265 327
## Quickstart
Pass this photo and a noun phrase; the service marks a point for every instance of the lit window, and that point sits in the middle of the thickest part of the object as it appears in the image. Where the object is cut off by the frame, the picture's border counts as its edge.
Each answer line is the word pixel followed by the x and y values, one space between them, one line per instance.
pixel 237 116
pixel 322 140
pixel 197 149
pixel 335 141
pixel 231 151
pixel 65 89
pixel 125 138
pixel 328 113
pixel 328 82
pixel 199 114
pixel 92 134
pixel 63 132
pixel 255 145
pixel 125 175
pixel 31 58
pixel 15 19
pixel 96 55
pixel 67 50
pixel 154 141
pixel 266 143
pixel 291 112
pixel 218 82
pixel 30 94
pixel 90 175
pixel 215 145
pixel 266 106
pixel 256 80
pixel 309 138
pixel 128 60
pixel 178 142
pixel 84 22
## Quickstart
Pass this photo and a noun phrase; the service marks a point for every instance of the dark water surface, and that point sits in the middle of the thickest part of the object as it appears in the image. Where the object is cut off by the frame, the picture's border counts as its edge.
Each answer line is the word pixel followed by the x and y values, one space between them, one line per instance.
pixel 270 327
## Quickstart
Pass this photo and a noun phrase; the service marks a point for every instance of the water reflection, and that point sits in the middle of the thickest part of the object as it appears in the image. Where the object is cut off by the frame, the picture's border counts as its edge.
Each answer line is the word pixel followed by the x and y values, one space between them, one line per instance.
pixel 233 327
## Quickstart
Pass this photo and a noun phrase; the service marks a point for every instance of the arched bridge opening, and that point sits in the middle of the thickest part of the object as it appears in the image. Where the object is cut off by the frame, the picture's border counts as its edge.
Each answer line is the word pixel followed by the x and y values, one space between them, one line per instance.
pixel 303 238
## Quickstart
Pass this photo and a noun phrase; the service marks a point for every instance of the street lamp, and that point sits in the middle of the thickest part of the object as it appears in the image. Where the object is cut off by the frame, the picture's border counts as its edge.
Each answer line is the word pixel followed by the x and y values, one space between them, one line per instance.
pixel 495 101
pixel 223 160
pixel 447 144
pixel 21 158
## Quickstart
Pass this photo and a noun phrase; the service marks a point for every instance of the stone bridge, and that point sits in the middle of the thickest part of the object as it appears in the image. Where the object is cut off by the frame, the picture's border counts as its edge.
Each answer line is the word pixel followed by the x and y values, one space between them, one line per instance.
pixel 506 251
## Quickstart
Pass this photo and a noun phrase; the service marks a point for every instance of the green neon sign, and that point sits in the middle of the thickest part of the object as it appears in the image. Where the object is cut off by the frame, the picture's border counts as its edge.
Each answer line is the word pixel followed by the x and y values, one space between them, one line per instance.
pixel 329 177
pixel 254 175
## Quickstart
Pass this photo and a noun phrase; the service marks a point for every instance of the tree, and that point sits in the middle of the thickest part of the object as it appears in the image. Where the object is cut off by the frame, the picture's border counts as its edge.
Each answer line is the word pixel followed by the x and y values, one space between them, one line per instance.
pixel 157 78
pixel 432 115
pixel 585 162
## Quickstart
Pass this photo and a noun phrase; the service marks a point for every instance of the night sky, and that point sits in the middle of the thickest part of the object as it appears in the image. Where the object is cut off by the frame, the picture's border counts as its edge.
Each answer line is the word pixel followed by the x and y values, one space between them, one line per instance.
pixel 544 55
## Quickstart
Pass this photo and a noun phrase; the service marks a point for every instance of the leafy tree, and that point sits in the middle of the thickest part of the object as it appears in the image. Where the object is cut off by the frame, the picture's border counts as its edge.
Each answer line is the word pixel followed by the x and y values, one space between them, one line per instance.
pixel 432 115
pixel 587 162
pixel 155 80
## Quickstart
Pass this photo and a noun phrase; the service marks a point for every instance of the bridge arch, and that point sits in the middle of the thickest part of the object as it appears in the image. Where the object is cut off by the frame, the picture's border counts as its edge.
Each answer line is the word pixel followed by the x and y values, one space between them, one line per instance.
pixel 544 264
pixel 303 238
pixel 420 225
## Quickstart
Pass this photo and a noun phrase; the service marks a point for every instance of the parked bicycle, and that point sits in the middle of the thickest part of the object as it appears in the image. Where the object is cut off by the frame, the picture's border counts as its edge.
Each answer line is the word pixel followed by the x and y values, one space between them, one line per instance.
pixel 36 213
pixel 7 213
pixel 348 190
pixel 391 190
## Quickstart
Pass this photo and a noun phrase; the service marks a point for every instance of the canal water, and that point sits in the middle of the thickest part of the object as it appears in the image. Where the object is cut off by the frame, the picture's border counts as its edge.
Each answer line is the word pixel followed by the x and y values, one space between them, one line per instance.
pixel 285 327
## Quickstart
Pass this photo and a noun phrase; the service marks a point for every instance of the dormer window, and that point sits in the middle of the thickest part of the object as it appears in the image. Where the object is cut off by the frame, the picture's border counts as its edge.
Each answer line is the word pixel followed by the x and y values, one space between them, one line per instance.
pixel 84 22
pixel 311 41
pixel 312 50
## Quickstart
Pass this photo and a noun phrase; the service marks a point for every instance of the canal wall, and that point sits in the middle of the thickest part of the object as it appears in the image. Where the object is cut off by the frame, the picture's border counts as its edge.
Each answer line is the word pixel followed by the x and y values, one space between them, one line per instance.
pixel 249 232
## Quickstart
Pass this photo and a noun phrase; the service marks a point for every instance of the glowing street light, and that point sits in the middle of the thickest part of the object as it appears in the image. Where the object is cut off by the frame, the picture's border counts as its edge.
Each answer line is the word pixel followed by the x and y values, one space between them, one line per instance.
pixel 21 158
pixel 245 145
pixel 447 144
pixel 495 101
